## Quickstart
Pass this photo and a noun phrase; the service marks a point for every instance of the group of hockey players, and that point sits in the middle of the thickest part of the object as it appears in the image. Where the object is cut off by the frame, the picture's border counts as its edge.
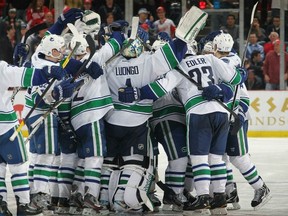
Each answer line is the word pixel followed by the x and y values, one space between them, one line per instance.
pixel 97 115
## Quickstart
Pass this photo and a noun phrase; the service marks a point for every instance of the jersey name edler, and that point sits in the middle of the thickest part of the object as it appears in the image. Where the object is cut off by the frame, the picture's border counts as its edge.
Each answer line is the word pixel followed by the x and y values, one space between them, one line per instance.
pixel 132 70
pixel 194 62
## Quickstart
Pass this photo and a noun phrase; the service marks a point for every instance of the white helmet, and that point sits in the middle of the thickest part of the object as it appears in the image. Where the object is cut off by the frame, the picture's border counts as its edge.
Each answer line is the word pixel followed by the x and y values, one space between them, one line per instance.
pixel 82 49
pixel 134 49
pixel 192 47
pixel 223 42
pixel 208 47
pixel 90 22
pixel 158 44
pixel 51 42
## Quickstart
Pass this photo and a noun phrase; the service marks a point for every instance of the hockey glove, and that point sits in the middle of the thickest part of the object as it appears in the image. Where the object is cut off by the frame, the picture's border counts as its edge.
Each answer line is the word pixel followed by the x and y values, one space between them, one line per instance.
pixel 243 72
pixel 70 16
pixel 242 120
pixel 142 34
pixel 54 72
pixel 65 89
pixel 164 36
pixel 212 92
pixel 128 94
pixel 94 70
pixel 20 52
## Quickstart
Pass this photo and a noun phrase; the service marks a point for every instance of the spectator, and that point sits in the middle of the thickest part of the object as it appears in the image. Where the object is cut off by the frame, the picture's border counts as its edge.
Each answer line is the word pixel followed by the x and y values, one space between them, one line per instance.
pixel 269 45
pixel 275 26
pixel 254 45
pixel 74 3
pixel 110 7
pixel 256 64
pixel 146 23
pixel 109 19
pixel 23 29
pixel 20 6
pixel 7 42
pixel 14 22
pixel 36 13
pixel 260 32
pixel 253 82
pixel 49 18
pixel 87 5
pixel 163 24
pixel 233 30
pixel 271 68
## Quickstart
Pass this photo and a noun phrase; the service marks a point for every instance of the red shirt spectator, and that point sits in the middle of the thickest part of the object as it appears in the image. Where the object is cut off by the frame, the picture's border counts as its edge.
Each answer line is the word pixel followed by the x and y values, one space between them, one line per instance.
pixel 36 13
pixel 269 45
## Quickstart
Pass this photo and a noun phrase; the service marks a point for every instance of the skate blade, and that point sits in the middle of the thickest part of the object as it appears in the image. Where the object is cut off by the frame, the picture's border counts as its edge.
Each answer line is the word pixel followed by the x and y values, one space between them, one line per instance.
pixel 264 201
pixel 48 213
pixel 92 212
pixel 219 211
pixel 199 212
pixel 177 208
pixel 235 206
pixel 167 207
pixel 62 210
pixel 75 211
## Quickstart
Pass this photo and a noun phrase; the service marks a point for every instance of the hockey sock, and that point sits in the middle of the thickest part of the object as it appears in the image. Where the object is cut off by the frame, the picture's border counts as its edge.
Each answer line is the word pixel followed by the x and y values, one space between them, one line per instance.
pixel 31 169
pixel 79 180
pixel 218 173
pixel 105 177
pixel 175 174
pixel 92 174
pixel 201 173
pixel 19 181
pixel 248 170
pixel 66 174
pixel 229 170
pixel 3 189
pixel 42 172
pixel 53 180
pixel 189 179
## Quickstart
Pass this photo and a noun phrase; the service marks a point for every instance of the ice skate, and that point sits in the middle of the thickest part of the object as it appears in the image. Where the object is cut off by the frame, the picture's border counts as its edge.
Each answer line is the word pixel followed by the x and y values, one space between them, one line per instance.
pixel 261 197
pixel 26 209
pixel 4 208
pixel 218 204
pixel 200 206
pixel 76 204
pixel 232 197
pixel 183 200
pixel 41 201
pixel 92 206
pixel 63 206
pixel 154 199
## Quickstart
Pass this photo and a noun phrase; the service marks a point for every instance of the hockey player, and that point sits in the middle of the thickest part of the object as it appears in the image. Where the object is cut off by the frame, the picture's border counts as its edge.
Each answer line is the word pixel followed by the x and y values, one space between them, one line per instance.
pixel 88 108
pixel 14 152
pixel 207 121
pixel 237 145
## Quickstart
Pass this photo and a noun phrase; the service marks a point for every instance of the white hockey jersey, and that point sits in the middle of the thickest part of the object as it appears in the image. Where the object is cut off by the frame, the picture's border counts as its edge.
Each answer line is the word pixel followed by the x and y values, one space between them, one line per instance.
pixel 11 77
pixel 93 100
pixel 141 70
pixel 205 70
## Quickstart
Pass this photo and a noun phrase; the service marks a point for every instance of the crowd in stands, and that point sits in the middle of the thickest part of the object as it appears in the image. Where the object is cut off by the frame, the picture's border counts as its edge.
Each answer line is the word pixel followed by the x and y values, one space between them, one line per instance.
pixel 261 59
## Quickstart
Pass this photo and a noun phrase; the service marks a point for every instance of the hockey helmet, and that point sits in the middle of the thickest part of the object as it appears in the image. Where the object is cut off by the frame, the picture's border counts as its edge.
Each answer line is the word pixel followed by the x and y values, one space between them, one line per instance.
pixel 82 49
pixel 51 42
pixel 223 42
pixel 208 47
pixel 134 49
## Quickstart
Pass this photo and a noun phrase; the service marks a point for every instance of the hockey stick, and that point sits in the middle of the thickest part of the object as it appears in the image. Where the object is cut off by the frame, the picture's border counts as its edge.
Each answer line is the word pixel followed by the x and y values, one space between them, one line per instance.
pixel 42 96
pixel 92 48
pixel 237 123
pixel 243 56
pixel 134 29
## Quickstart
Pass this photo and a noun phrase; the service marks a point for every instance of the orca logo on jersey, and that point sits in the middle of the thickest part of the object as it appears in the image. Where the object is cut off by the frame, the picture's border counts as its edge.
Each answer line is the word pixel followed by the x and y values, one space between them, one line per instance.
pixel 132 70
pixel 194 62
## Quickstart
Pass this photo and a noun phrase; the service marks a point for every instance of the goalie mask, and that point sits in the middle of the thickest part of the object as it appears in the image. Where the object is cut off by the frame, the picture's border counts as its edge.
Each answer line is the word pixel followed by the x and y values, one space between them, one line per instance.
pixel 50 43
pixel 223 42
pixel 133 50
pixel 82 49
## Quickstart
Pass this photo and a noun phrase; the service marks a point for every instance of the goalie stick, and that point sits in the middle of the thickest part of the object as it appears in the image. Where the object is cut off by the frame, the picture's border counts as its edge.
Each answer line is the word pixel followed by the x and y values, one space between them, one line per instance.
pixel 243 56
pixel 13 136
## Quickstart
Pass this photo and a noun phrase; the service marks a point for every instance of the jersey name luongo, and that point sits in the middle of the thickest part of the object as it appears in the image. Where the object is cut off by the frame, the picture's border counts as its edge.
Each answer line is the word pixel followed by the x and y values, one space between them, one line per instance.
pixel 132 70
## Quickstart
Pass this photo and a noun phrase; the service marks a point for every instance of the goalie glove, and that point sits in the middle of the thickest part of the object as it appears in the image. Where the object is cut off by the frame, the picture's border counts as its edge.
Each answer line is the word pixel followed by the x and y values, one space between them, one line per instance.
pixel 128 94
